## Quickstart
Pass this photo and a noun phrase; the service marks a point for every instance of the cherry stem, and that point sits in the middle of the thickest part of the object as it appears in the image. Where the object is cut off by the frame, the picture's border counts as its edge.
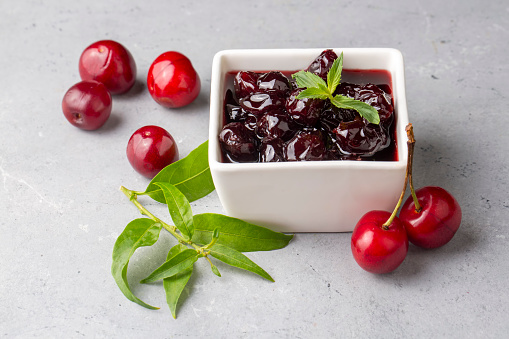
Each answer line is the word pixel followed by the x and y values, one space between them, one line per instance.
pixel 408 175
pixel 411 143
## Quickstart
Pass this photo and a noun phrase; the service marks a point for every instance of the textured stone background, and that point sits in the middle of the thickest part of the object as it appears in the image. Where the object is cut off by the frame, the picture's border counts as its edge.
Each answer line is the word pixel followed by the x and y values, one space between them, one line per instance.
pixel 61 211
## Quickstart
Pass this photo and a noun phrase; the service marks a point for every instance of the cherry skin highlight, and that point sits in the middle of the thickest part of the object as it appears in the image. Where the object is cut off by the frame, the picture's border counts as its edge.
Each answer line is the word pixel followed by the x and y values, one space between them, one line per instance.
pixel 172 81
pixel 437 221
pixel 108 62
pixel 87 105
pixel 150 149
pixel 379 250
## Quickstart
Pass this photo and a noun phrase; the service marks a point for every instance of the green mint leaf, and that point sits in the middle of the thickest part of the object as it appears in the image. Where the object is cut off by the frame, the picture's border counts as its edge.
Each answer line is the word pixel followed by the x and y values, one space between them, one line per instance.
pixel 237 234
pixel 307 79
pixel 365 110
pixel 174 285
pixel 313 93
pixel 177 264
pixel 191 175
pixel 334 74
pixel 138 233
pixel 237 259
pixel 316 88
pixel 179 207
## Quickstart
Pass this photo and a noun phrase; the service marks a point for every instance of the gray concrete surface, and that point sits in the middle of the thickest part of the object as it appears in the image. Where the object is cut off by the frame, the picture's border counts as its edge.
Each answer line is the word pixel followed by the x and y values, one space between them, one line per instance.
pixel 61 210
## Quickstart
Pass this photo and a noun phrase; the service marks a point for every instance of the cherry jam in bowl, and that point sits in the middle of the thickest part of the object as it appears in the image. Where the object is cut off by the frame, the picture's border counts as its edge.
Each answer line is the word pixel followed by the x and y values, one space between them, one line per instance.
pixel 272 176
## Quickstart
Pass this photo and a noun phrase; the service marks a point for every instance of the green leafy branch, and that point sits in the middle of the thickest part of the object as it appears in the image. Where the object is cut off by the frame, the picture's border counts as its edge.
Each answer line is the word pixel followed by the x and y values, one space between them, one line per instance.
pixel 199 236
pixel 316 88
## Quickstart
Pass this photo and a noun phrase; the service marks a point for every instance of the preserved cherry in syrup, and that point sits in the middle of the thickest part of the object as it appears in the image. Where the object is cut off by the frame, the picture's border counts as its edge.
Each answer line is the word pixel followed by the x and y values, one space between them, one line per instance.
pixel 322 64
pixel 262 102
pixel 274 81
pixel 245 83
pixel 304 111
pixel 272 150
pixel 360 138
pixel 238 143
pixel 306 145
pixel 272 125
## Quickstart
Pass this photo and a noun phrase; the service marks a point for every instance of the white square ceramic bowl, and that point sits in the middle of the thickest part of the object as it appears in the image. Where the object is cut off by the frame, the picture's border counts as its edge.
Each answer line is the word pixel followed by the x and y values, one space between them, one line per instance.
pixel 313 196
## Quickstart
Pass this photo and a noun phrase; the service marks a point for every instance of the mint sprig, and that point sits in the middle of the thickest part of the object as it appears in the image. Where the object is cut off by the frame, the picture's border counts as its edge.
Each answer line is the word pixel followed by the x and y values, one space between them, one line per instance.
pixel 210 236
pixel 316 88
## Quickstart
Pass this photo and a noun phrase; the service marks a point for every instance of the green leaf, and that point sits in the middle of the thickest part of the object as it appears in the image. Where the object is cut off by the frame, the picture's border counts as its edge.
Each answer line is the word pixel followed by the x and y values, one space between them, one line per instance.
pixel 237 234
pixel 138 233
pixel 174 285
pixel 235 258
pixel 365 110
pixel 215 234
pixel 334 74
pixel 180 210
pixel 316 88
pixel 313 93
pixel 307 79
pixel 191 175
pixel 215 270
pixel 177 264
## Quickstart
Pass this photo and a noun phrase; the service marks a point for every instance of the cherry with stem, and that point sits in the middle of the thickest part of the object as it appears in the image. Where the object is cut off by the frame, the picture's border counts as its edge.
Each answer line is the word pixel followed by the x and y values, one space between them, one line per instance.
pixel 431 215
pixel 379 241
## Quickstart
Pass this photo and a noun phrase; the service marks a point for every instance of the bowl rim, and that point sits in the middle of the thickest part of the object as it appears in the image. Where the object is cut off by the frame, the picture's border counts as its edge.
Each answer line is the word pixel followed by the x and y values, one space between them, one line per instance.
pixel 217 98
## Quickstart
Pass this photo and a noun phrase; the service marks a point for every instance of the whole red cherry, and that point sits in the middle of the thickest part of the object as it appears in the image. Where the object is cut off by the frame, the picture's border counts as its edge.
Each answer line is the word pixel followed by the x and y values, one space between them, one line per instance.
pixel 108 62
pixel 87 105
pixel 150 149
pixel 172 81
pixel 436 220
pixel 378 248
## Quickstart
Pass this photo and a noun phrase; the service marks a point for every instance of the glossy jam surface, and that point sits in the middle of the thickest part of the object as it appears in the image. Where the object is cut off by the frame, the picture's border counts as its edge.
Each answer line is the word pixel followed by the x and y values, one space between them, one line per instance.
pixel 278 127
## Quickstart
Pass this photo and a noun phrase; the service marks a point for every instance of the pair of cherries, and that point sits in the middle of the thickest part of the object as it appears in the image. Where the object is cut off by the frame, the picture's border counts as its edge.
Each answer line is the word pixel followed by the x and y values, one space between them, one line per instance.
pixel 107 68
pixel 429 218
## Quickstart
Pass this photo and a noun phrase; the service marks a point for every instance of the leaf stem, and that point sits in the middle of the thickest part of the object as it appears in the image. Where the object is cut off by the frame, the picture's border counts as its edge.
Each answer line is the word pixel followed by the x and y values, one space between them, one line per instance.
pixel 215 236
pixel 408 173
pixel 132 195
pixel 210 262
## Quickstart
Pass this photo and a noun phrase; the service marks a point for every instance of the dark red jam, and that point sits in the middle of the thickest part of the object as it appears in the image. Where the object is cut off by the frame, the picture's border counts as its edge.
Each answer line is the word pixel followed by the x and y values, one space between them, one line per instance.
pixel 265 122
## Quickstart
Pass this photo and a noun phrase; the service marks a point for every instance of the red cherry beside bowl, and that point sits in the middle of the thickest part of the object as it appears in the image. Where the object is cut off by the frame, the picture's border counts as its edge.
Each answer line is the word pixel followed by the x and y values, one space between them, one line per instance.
pixel 87 105
pixel 376 249
pixel 108 62
pixel 437 221
pixel 172 81
pixel 150 149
